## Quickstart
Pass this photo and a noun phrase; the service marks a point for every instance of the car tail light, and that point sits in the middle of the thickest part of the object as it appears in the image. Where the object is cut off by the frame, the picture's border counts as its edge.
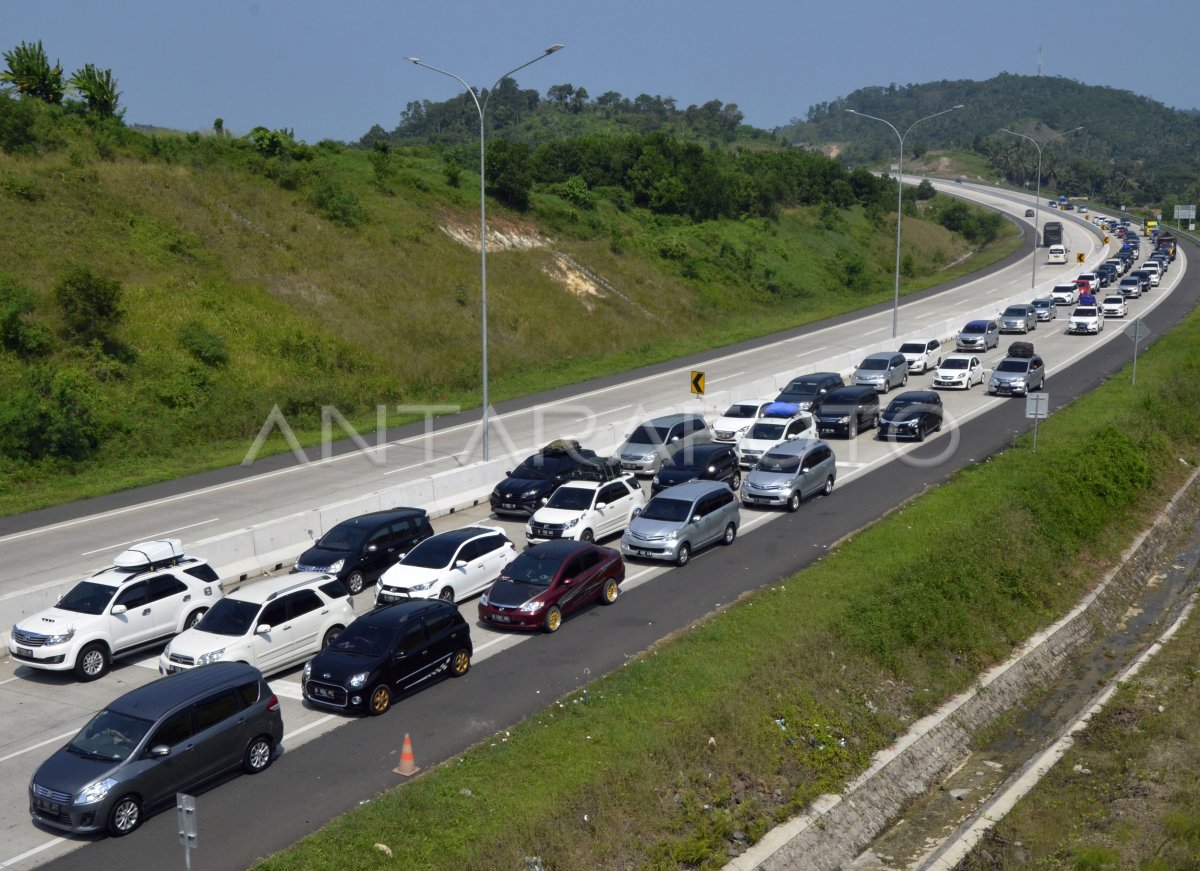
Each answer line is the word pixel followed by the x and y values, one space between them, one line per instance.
pixel 273 703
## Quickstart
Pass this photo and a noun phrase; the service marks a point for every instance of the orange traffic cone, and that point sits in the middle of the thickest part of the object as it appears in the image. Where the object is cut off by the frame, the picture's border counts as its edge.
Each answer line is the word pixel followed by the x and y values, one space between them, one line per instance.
pixel 407 766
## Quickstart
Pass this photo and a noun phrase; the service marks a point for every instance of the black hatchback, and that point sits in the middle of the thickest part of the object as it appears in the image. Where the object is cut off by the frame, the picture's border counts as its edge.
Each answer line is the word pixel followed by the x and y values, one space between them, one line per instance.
pixel 362 548
pixel 912 415
pixel 527 487
pixel 388 652
pixel 711 462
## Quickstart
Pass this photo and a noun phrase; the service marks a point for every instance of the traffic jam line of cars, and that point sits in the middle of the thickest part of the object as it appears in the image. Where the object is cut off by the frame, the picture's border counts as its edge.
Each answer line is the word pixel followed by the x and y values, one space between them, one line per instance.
pixel 212 710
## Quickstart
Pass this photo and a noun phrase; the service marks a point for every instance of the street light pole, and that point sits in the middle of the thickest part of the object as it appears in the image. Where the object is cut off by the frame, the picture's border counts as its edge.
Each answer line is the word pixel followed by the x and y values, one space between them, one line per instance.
pixel 900 199
pixel 481 108
pixel 1037 205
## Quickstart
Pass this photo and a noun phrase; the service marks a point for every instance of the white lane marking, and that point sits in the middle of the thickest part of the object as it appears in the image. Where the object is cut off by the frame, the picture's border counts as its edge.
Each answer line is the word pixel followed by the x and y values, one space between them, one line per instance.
pixel 8 680
pixel 9 863
pixel 873 332
pixel 289 689
pixel 289 735
pixel 150 536
pixel 725 377
pixel 53 740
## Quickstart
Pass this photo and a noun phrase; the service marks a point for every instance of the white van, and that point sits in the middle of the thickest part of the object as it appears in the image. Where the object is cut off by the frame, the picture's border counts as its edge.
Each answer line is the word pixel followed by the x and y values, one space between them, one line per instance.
pixel 1056 254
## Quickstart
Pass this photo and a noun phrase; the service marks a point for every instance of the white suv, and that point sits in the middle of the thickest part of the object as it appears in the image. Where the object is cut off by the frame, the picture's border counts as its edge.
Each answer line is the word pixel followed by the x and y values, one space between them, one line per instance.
pixel 271 624
pixel 586 510
pixel 151 592
pixel 784 423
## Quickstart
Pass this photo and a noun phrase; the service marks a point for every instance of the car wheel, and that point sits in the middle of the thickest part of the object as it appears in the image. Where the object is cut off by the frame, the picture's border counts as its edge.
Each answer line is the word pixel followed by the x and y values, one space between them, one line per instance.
pixel 258 755
pixel 608 594
pixel 194 618
pixel 736 481
pixel 904 380
pixel 828 486
pixel 730 535
pixel 683 554
pixel 331 635
pixel 446 595
pixel 355 583
pixel 793 503
pixel 460 664
pixel 852 428
pixel 93 663
pixel 380 700
pixel 587 535
pixel 875 421
pixel 921 432
pixel 553 620
pixel 125 816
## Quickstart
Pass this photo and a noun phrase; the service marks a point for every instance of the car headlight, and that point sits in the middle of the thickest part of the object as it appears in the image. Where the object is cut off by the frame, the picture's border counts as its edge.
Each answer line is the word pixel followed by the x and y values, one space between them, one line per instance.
pixel 529 494
pixel 337 566
pixel 845 418
pixel 95 792
pixel 424 586
pixel 672 535
pixel 654 480
pixel 212 656
pixel 533 606
pixel 61 638
pixel 356 681
pixel 308 669
pixel 483 600
pixel 571 523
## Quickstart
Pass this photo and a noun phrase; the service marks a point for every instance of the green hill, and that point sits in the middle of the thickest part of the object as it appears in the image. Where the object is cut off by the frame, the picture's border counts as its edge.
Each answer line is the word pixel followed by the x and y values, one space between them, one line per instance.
pixel 160 293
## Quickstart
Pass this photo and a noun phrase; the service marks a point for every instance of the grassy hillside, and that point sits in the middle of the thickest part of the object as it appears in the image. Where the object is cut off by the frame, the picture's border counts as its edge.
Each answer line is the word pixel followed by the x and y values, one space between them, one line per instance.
pixel 261 272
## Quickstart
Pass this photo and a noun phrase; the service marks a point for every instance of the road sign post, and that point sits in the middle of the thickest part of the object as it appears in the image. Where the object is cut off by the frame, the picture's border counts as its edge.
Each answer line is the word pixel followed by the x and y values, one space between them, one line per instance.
pixel 697 382
pixel 1037 406
pixel 1136 332
pixel 185 812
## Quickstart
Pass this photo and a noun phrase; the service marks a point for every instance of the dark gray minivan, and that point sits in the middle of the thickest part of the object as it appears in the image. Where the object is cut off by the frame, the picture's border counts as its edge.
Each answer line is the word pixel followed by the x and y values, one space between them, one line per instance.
pixel 159 739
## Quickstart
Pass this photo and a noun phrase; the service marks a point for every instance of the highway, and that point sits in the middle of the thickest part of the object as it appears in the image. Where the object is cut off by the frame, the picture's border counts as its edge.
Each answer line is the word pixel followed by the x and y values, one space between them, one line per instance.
pixel 42 710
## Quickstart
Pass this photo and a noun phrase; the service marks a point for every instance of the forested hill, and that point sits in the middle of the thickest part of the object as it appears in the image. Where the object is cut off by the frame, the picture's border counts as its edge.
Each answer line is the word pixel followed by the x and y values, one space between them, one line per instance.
pixel 1132 148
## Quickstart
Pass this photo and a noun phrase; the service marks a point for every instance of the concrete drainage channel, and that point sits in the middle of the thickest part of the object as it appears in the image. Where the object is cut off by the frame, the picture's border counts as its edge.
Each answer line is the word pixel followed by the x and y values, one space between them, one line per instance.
pixel 923 802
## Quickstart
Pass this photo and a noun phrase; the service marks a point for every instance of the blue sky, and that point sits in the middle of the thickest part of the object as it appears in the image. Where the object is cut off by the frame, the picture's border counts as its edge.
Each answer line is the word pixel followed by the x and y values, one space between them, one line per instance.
pixel 332 68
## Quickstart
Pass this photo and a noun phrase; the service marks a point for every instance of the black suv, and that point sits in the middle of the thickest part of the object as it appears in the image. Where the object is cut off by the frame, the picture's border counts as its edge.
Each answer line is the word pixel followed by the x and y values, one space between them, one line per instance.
pixel 712 462
pixel 846 410
pixel 362 548
pixel 383 654
pixel 530 484
pixel 807 390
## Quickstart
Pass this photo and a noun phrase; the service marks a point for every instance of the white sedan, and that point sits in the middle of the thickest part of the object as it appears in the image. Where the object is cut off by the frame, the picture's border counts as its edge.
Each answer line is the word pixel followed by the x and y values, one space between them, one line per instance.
pixel 449 566
pixel 962 371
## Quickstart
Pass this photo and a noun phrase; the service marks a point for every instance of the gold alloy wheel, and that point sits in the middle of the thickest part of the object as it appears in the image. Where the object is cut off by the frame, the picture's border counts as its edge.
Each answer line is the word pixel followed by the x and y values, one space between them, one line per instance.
pixel 381 699
pixel 553 619
pixel 610 591
pixel 461 663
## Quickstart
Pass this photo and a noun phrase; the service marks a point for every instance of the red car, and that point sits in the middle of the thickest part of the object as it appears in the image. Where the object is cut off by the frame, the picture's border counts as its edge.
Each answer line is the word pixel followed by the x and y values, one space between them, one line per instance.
pixel 549 581
pixel 1084 286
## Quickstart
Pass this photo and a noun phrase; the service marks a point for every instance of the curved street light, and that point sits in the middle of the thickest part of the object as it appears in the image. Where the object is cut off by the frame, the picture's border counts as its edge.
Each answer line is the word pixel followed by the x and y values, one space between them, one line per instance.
pixel 1037 203
pixel 900 198
pixel 481 108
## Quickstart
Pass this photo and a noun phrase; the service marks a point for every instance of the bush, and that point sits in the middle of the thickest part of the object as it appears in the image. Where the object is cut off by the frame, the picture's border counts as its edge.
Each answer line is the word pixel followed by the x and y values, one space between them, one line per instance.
pixel 53 415
pixel 91 305
pixel 16 333
pixel 337 203
pixel 926 190
pixel 203 344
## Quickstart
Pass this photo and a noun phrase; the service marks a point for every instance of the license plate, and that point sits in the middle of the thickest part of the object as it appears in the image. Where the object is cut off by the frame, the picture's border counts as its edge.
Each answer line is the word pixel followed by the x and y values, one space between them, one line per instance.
pixel 637 552
pixel 173 669
pixel 508 505
pixel 47 807
pixel 630 466
pixel 322 692
pixel 500 618
pixel 24 651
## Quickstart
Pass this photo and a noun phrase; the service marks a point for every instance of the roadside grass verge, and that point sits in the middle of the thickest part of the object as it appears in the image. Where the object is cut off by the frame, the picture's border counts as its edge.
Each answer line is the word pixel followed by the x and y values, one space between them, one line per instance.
pixel 797 685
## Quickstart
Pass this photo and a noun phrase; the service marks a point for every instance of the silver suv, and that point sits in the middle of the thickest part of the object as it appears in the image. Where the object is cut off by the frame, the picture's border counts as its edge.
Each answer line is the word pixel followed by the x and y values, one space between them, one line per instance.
pixel 883 371
pixel 1020 318
pixel 789 473
pixel 151 592
pixel 1017 376
pixel 682 519
pixel 647 446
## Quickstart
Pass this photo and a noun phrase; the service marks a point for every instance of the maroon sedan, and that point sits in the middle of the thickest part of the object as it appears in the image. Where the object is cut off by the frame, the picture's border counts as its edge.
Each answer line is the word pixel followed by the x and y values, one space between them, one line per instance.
pixel 550 580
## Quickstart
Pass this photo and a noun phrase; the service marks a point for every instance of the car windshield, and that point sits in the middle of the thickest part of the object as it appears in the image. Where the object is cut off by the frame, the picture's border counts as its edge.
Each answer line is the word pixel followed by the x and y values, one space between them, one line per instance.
pixel 432 553
pixel 1014 311
pixel 87 597
pixel 534 567
pixel 778 463
pixel 343 538
pixel 975 328
pixel 1118 300
pixel 765 431
pixel 229 616
pixel 912 348
pixel 874 363
pixel 956 363
pixel 531 468
pixel 648 435
pixel 1041 303
pixel 803 387
pixel 660 508
pixel 692 461
pixel 1012 366
pixel 363 638
pixel 741 411
pixel 572 498
pixel 110 736
pixel 902 402
pixel 1085 312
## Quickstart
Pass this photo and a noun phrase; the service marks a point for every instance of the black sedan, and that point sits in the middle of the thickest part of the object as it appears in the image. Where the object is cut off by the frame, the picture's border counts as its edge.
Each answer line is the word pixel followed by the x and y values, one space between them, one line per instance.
pixel 713 462
pixel 530 484
pixel 912 415
pixel 549 581
pixel 386 653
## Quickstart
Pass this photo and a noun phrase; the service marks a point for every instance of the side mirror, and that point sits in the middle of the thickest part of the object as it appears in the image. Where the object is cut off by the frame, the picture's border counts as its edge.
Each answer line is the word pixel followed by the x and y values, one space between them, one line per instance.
pixel 508 473
pixel 674 439
pixel 600 505
pixel 695 518
pixel 158 751
pixel 568 581
pixel 460 564
pixel 118 609
pixel 637 510
pixel 371 548
pixel 263 629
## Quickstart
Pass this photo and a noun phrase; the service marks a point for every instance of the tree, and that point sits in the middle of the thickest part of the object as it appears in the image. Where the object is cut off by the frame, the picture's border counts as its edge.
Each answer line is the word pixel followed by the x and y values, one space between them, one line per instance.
pixel 91 305
pixel 510 172
pixel 98 89
pixel 30 73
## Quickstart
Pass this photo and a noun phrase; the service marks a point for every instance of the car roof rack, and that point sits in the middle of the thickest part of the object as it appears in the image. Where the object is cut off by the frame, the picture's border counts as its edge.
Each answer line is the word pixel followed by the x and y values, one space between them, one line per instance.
pixel 601 469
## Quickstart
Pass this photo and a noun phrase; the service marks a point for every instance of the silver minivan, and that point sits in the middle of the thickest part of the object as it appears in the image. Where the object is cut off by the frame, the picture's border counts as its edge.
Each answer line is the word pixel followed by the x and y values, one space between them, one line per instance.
pixel 683 519
pixel 647 446
pixel 791 472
